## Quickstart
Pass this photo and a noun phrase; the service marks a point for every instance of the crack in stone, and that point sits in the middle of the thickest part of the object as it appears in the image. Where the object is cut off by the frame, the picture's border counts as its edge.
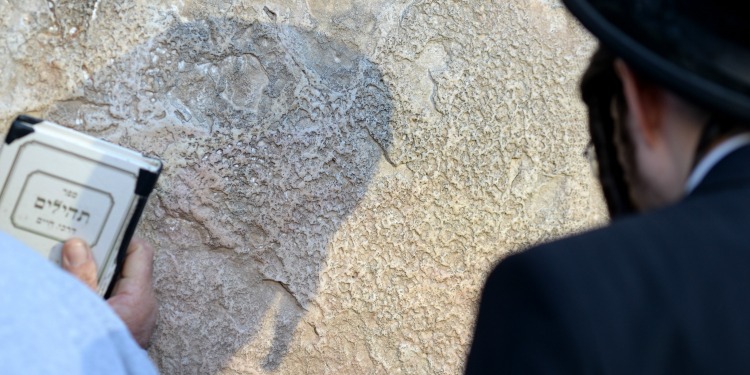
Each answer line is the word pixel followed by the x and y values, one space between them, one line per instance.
pixel 286 288
pixel 434 92
pixel 383 150
pixel 271 14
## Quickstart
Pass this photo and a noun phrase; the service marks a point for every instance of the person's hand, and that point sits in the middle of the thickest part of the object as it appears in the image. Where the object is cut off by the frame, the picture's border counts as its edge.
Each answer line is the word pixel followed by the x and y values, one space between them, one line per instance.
pixel 133 297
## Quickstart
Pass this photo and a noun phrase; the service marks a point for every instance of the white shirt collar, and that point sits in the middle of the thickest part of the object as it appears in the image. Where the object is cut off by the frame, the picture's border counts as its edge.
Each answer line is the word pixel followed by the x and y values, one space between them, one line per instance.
pixel 714 156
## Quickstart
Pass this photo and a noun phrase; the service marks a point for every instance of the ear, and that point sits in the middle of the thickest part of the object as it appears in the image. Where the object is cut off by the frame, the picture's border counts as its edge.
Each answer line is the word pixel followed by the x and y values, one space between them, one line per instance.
pixel 645 103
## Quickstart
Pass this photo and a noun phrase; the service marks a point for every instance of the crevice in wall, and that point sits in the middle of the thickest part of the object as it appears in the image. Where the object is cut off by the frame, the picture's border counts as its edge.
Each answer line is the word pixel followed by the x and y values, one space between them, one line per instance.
pixel 287 289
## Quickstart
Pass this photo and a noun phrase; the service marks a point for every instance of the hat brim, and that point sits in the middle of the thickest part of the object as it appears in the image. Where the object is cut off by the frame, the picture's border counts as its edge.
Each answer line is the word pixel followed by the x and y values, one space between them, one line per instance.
pixel 690 80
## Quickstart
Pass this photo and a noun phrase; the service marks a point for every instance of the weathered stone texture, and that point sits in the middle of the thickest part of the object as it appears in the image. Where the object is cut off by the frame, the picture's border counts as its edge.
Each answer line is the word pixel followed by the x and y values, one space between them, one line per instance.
pixel 340 175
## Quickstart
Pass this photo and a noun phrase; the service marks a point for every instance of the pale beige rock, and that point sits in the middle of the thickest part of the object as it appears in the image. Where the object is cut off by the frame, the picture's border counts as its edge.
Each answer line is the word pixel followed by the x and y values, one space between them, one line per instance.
pixel 340 175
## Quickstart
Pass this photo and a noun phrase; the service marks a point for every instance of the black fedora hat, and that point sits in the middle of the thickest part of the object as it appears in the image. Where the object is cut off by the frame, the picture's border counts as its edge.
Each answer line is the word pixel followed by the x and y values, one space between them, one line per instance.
pixel 698 49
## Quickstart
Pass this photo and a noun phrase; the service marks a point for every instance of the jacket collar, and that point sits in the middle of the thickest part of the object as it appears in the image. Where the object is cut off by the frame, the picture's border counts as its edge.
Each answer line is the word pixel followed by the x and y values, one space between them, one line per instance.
pixel 733 171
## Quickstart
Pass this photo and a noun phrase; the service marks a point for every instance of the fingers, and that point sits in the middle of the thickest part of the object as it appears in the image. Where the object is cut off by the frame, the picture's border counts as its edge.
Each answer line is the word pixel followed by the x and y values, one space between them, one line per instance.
pixel 137 271
pixel 78 259
pixel 133 298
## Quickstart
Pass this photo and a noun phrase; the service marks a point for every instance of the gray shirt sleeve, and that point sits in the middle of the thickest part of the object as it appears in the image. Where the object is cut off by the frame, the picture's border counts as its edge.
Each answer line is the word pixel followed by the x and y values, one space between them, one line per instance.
pixel 50 323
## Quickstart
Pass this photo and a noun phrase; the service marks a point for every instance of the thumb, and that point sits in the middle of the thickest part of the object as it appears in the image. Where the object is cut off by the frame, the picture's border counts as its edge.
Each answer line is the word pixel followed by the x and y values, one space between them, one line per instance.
pixel 78 259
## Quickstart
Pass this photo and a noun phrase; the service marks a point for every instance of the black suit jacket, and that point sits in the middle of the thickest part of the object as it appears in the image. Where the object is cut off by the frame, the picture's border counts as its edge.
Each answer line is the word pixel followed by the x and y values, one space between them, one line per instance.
pixel 666 292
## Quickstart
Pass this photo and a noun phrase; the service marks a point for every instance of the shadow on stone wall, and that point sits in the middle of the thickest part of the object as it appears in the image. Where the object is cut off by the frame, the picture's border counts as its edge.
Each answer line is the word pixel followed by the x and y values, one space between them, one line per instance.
pixel 270 136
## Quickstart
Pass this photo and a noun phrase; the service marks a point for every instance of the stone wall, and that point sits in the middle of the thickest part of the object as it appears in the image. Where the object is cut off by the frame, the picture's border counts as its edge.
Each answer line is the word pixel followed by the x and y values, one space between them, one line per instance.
pixel 340 175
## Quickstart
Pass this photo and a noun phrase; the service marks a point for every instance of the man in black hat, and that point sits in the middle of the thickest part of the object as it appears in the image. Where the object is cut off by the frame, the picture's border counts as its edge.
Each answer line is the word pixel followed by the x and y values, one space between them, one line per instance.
pixel 665 288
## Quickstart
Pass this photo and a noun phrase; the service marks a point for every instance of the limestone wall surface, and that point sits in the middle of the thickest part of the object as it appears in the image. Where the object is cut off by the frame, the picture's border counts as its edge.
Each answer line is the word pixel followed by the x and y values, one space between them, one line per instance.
pixel 339 175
